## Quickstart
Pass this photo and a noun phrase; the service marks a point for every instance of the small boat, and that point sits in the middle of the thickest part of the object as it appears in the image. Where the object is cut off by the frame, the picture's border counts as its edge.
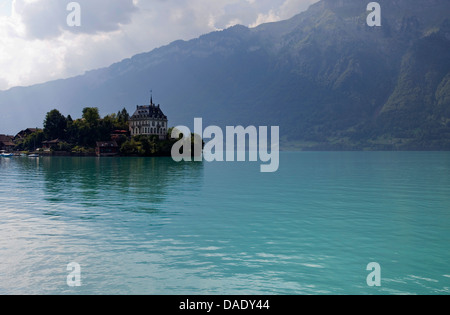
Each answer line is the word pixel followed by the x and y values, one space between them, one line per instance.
pixel 7 154
pixel 33 155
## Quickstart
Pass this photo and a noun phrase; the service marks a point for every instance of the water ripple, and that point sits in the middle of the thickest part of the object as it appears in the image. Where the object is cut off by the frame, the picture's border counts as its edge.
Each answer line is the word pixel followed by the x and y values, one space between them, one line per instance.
pixel 152 226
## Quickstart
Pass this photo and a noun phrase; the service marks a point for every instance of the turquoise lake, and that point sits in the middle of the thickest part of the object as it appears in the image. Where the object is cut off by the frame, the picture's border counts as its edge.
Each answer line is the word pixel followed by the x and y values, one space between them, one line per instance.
pixel 153 226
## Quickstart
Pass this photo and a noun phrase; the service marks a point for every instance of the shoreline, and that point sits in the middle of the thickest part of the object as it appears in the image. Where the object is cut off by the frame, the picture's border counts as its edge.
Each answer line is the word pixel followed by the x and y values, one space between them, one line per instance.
pixel 73 154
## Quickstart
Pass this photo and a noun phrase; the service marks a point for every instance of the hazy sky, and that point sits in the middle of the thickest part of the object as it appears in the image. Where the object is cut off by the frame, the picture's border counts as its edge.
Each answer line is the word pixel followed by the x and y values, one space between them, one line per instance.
pixel 37 45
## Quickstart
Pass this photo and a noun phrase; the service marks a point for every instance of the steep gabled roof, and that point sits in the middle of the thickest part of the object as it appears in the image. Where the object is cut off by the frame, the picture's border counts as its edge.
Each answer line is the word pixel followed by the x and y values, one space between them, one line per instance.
pixel 148 111
pixel 6 138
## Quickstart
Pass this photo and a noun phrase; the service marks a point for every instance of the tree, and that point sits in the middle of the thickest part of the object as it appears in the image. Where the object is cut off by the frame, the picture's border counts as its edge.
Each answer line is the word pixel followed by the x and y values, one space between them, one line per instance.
pixel 91 115
pixel 31 142
pixel 105 127
pixel 86 135
pixel 55 125
pixel 121 120
pixel 124 116
pixel 71 130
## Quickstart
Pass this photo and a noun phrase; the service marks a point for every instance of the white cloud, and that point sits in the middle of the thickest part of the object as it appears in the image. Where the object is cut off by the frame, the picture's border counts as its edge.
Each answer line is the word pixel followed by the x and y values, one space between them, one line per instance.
pixel 291 6
pixel 282 12
pixel 36 45
pixel 47 18
pixel 266 18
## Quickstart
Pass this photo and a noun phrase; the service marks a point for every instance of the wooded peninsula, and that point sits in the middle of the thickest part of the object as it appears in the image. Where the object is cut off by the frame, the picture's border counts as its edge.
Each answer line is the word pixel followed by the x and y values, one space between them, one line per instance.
pixel 91 135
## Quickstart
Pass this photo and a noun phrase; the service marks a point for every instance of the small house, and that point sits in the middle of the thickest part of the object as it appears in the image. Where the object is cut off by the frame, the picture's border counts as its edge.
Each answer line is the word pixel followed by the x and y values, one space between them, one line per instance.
pixel 25 133
pixel 107 148
pixel 117 134
pixel 6 143
pixel 51 145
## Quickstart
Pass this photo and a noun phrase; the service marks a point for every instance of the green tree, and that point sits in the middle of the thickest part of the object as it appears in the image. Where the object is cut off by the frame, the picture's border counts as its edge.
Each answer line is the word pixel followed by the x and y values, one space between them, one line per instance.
pixel 86 134
pixel 105 127
pixel 91 115
pixel 55 125
pixel 31 142
pixel 90 128
pixel 71 131
pixel 122 118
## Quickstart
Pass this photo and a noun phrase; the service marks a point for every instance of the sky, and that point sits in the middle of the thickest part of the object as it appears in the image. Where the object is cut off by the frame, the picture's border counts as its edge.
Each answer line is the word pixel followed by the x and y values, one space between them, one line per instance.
pixel 37 44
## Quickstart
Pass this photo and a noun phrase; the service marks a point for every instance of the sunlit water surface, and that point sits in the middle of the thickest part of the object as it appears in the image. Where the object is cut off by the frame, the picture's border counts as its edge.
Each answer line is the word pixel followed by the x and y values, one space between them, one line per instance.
pixel 152 226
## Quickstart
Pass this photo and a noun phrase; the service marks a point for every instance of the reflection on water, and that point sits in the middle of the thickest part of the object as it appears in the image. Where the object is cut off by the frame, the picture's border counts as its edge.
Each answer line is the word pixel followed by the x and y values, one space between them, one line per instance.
pixel 102 213
pixel 142 183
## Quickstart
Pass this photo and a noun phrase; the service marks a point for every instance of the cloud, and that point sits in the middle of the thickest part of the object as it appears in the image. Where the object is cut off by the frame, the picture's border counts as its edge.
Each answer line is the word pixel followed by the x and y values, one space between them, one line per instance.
pixel 45 19
pixel 266 18
pixel 283 11
pixel 37 45
pixel 291 6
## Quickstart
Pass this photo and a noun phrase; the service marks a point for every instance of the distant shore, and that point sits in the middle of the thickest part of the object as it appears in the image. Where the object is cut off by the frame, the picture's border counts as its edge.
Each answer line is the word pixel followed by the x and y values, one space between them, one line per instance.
pixel 77 154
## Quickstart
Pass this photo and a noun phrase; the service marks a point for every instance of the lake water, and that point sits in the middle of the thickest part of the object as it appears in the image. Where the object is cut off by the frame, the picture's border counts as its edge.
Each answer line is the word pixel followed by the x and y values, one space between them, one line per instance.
pixel 152 226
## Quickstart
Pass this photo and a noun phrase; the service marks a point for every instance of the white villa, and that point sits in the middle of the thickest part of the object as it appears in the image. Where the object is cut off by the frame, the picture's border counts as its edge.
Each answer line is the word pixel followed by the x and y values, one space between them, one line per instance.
pixel 149 120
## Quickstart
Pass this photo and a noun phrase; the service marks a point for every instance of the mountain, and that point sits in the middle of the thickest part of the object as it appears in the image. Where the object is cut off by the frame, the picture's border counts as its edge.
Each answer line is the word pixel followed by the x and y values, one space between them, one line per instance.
pixel 325 77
